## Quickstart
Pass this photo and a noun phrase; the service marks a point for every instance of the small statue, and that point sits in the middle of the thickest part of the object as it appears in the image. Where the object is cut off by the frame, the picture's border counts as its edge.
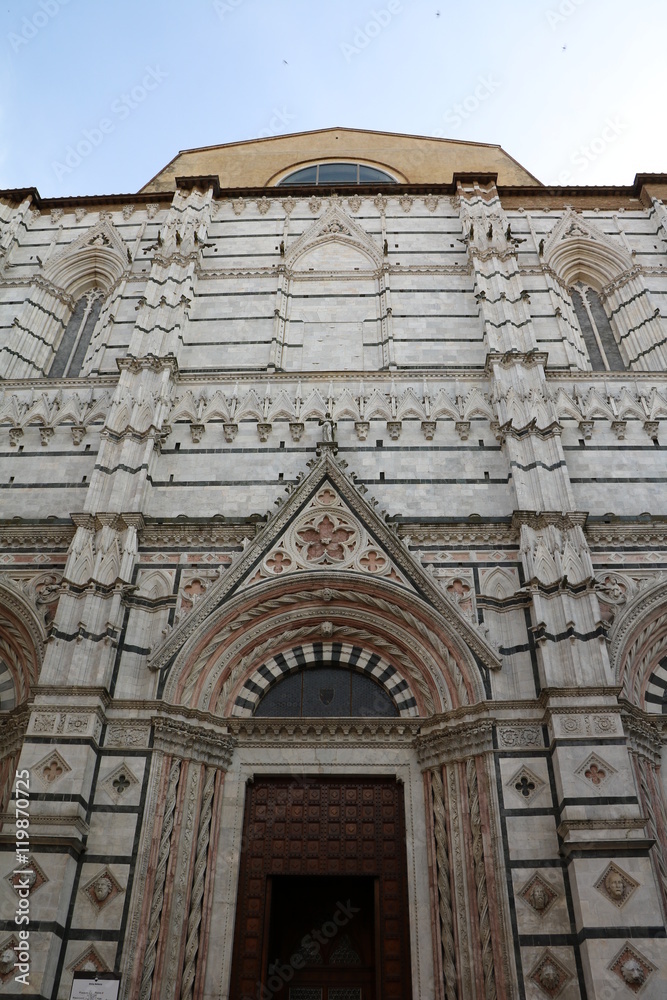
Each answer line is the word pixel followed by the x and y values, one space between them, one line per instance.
pixel 328 428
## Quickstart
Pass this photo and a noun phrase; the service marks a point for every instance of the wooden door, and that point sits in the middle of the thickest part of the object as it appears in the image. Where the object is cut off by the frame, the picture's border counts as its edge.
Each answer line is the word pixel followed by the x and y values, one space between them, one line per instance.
pixel 306 842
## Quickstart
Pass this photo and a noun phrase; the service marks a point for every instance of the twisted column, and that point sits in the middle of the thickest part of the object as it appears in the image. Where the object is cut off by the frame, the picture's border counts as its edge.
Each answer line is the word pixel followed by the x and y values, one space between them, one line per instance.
pixel 194 919
pixel 146 985
pixel 480 881
pixel 653 825
pixel 444 887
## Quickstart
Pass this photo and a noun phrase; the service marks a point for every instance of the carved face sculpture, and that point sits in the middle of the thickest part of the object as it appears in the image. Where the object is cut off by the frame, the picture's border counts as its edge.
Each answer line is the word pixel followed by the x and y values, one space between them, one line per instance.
pixel 29 879
pixel 615 885
pixel 7 959
pixel 632 972
pixel 538 897
pixel 102 888
pixel 549 977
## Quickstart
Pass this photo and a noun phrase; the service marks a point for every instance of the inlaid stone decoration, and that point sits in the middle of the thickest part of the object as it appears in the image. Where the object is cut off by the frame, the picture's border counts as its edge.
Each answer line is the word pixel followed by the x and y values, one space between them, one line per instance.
pixel 326 534
pixel 7 958
pixel 632 968
pixel 525 784
pixel 119 782
pixel 595 771
pixel 89 961
pixel 616 885
pixel 539 895
pixel 101 889
pixel 51 769
pixel 30 876
pixel 549 975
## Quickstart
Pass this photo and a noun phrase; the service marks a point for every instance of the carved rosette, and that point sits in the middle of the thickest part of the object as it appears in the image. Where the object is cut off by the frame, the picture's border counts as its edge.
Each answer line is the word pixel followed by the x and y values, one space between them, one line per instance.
pixel 326 534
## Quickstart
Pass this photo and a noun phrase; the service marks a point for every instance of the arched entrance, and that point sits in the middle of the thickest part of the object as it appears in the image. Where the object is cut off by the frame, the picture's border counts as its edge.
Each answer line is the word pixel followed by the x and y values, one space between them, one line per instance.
pixel 322 908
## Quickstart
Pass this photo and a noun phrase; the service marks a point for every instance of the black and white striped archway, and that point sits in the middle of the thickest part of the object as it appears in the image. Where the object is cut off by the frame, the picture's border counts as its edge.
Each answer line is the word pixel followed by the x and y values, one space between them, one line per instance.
pixel 655 697
pixel 340 654
pixel 7 688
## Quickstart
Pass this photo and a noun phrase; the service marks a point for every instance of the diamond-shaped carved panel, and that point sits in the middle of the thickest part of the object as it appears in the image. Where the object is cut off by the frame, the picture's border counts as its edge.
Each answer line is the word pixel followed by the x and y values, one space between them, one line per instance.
pixel 119 782
pixel 616 885
pixel 30 877
pixel 89 961
pixel 549 975
pixel 632 968
pixel 525 784
pixel 7 958
pixel 51 769
pixel 101 889
pixel 595 771
pixel 539 894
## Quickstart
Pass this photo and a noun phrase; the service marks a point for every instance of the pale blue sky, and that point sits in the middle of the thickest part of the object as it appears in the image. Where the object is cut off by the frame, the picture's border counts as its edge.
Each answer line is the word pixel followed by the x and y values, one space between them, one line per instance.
pixel 573 89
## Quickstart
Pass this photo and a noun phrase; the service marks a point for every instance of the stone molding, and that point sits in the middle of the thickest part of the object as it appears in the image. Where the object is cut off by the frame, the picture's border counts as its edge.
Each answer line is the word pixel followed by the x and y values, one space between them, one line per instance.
pixel 188 742
pixel 265 732
pixel 450 743
pixel 468 636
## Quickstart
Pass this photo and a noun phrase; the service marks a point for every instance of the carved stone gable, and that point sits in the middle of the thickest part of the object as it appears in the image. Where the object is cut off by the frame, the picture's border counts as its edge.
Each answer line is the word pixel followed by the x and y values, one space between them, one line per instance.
pixel 326 525
pixel 336 226
pixel 575 232
pixel 326 534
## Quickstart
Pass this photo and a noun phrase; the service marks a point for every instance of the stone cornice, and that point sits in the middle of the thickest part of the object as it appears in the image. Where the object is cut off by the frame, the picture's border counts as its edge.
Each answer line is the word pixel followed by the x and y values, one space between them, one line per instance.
pixel 183 739
pixel 13 729
pixel 626 534
pixel 261 732
pixel 195 533
pixel 647 734
pixel 541 519
pixel 149 362
pixel 439 745
pixel 24 534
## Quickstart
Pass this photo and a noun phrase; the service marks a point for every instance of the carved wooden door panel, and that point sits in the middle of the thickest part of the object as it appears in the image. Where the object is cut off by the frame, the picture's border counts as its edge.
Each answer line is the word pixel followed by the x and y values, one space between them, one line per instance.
pixel 298 835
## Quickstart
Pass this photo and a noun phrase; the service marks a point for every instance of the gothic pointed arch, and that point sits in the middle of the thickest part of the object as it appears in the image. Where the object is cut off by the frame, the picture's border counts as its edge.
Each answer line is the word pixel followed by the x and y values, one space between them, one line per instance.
pixel 334 227
pixel 22 638
pixel 326 567
pixel 578 250
pixel 638 649
pixel 96 259
pixel 611 314
pixel 344 322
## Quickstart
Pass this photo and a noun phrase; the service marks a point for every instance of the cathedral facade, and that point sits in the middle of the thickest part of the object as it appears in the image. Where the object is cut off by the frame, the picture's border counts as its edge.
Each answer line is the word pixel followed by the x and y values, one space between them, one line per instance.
pixel 333 580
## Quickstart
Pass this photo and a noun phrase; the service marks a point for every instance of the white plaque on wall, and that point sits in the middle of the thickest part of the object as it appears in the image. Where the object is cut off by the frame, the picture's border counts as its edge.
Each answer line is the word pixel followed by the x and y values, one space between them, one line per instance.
pixel 95 989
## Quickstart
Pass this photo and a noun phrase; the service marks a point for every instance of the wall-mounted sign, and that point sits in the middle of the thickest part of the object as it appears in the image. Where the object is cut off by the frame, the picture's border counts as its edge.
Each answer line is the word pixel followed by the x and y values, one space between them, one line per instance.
pixel 95 989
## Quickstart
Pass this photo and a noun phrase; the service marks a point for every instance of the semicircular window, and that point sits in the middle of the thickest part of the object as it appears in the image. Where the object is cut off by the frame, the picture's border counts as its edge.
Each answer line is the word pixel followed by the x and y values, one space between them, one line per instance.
pixel 338 173
pixel 320 691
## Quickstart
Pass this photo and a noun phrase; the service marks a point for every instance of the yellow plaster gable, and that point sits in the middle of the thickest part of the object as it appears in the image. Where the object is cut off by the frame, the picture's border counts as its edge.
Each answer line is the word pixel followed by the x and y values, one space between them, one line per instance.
pixel 412 159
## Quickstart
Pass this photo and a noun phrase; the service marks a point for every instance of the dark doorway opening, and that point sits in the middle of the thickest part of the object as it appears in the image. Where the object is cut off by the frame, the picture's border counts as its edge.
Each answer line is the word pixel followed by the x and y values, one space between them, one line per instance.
pixel 321 940
pixel 307 841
